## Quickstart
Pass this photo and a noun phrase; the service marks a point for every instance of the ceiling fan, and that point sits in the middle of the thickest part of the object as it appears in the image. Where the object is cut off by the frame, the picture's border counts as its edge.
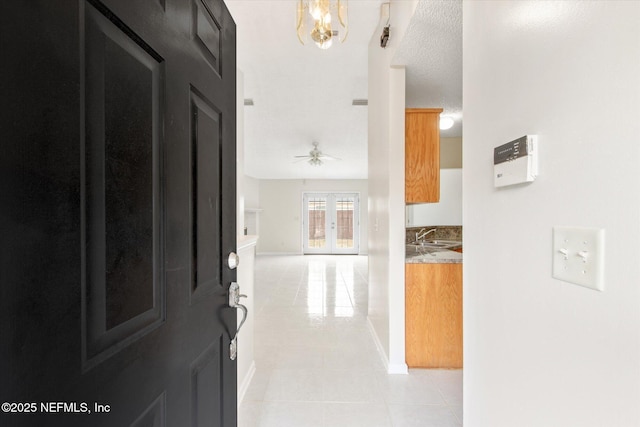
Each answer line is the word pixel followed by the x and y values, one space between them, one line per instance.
pixel 315 156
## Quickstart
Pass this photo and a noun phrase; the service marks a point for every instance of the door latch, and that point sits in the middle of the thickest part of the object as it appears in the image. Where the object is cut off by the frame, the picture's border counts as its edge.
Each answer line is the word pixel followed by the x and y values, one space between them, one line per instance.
pixel 234 302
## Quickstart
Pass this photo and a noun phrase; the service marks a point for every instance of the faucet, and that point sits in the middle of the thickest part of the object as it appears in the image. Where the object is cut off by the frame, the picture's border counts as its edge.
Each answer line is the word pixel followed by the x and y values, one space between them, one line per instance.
pixel 422 233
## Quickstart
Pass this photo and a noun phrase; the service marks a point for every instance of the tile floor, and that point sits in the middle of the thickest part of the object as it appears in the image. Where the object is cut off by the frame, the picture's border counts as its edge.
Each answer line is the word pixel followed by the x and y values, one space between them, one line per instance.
pixel 316 361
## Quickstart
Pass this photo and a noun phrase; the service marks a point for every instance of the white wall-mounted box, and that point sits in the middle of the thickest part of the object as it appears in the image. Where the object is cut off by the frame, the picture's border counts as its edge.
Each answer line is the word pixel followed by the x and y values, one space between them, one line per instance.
pixel 516 162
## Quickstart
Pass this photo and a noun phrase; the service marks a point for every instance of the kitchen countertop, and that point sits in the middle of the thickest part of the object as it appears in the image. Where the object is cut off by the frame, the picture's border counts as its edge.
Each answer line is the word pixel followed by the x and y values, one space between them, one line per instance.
pixel 415 255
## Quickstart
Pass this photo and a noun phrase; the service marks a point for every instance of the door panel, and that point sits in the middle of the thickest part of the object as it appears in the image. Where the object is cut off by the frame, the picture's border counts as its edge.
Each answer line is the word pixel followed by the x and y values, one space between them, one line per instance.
pixel 117 184
pixel 207 33
pixel 123 288
pixel 154 415
pixel 206 381
pixel 206 201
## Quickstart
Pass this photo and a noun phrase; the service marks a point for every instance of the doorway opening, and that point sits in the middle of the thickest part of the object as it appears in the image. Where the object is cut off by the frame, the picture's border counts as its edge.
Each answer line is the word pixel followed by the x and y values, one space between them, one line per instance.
pixel 331 223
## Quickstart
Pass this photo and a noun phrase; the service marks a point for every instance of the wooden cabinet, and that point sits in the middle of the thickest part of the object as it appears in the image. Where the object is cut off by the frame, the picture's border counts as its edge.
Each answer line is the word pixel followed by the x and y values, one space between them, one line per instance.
pixel 433 315
pixel 422 155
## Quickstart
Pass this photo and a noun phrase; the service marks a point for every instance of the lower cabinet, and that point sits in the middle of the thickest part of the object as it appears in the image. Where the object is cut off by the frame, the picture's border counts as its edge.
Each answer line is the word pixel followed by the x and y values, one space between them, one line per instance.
pixel 433 315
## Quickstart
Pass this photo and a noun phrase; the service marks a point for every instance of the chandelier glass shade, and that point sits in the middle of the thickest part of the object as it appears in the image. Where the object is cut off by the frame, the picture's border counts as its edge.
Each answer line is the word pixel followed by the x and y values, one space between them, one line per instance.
pixel 317 15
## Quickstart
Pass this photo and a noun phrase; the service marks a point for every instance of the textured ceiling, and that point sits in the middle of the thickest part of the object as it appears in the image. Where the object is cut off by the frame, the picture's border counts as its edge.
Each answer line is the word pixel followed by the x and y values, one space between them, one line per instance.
pixel 303 94
pixel 432 53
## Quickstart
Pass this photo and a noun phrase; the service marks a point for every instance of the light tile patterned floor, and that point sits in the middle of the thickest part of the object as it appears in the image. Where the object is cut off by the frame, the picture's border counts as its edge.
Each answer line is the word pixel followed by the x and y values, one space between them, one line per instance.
pixel 316 362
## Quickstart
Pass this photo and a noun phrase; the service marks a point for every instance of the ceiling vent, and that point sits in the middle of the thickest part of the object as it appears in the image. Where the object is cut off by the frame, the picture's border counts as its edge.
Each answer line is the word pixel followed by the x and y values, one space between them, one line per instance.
pixel 360 102
pixel 248 101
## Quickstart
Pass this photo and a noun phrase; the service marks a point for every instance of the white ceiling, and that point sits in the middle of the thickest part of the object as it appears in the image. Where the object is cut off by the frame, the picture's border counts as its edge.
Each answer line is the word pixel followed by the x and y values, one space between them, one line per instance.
pixel 304 94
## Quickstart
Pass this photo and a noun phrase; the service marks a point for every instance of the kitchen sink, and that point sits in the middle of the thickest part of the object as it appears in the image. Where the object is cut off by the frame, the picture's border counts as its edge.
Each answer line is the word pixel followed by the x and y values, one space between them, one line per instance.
pixel 436 244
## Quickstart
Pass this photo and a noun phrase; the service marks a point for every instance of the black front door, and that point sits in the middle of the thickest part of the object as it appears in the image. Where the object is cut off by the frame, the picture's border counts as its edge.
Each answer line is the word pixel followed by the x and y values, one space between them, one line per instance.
pixel 117 213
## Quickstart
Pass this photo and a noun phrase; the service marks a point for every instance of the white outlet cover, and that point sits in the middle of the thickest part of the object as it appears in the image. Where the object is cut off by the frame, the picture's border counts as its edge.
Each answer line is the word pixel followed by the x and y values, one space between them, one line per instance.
pixel 578 256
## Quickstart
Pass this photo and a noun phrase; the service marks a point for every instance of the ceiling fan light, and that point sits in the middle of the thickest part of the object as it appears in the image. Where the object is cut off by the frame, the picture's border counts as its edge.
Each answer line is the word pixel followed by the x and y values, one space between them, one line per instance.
pixel 315 156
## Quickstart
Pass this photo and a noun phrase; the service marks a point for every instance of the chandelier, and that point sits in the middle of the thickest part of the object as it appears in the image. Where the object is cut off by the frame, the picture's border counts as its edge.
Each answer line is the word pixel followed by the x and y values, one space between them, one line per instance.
pixel 319 20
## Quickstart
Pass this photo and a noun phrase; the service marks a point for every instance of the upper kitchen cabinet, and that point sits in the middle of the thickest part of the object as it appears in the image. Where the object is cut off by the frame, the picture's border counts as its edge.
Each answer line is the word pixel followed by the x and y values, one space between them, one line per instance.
pixel 422 155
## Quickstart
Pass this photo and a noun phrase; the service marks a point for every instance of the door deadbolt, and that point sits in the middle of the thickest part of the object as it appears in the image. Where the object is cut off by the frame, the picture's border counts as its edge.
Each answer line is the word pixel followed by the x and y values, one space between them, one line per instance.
pixel 233 261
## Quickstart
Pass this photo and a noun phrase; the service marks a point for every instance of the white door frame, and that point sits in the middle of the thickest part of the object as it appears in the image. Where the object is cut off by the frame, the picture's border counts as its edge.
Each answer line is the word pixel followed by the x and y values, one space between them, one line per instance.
pixel 330 229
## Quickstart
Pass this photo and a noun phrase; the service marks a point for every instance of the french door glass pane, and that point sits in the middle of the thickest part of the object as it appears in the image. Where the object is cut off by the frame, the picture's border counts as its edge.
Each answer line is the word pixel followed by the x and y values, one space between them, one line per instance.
pixel 344 222
pixel 317 208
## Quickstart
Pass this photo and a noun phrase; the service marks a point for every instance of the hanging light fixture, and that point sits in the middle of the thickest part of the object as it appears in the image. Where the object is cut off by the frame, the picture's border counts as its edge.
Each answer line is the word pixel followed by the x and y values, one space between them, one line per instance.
pixel 319 20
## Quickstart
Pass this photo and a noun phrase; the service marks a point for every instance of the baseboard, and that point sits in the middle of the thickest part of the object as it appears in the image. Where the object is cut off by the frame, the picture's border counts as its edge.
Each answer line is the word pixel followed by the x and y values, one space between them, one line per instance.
pixel 398 369
pixel 278 253
pixel 391 368
pixel 379 347
pixel 246 382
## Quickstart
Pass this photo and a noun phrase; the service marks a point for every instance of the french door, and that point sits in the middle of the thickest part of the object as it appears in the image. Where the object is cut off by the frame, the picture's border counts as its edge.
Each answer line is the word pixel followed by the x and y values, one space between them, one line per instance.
pixel 331 223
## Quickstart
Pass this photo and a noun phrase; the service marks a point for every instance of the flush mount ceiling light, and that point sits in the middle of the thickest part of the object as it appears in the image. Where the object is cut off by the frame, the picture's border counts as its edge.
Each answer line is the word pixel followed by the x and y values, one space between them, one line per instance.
pixel 446 122
pixel 319 19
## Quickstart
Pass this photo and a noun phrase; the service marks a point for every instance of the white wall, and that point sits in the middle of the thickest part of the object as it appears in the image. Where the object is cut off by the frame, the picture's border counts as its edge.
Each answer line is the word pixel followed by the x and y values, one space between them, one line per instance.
pixel 538 351
pixel 252 211
pixel 446 212
pixel 386 86
pixel 251 192
pixel 281 203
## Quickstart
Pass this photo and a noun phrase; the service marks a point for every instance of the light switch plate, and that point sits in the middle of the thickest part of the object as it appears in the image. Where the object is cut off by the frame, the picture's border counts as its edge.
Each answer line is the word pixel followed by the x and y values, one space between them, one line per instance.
pixel 578 256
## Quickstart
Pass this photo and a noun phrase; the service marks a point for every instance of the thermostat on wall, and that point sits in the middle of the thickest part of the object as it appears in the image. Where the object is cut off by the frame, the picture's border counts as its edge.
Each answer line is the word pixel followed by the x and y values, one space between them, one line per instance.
pixel 516 162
